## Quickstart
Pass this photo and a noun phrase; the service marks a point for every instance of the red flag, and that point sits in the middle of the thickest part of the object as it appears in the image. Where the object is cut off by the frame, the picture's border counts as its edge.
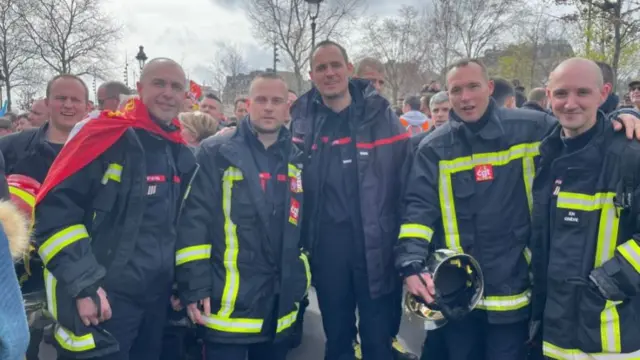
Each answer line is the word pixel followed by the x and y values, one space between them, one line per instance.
pixel 195 90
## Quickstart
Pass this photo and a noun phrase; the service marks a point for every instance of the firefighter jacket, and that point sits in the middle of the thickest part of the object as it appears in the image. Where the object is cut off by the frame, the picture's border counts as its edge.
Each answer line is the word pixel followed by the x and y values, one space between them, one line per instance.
pixel 579 224
pixel 383 160
pixel 86 230
pixel 470 192
pixel 224 249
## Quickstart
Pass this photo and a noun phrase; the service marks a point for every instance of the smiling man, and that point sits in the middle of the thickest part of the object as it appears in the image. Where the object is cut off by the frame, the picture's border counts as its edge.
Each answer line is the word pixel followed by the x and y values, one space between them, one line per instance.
pixel 106 223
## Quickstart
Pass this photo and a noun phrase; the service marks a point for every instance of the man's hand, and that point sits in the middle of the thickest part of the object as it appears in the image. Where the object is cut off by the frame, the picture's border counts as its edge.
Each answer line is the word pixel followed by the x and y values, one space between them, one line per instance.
pixel 175 303
pixel 417 287
pixel 194 313
pixel 88 310
pixel 630 123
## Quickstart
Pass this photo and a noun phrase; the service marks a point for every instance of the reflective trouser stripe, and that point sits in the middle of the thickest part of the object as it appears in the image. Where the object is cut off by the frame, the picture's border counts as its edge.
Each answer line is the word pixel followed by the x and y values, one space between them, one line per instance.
pixel 505 303
pixel 631 252
pixel 605 250
pixel 286 321
pixel 63 238
pixel 555 352
pixel 74 343
pixel 415 231
pixel 233 325
pixel 28 198
pixel 114 172
pixel 232 277
pixel 307 269
pixel 447 168
pixel 193 253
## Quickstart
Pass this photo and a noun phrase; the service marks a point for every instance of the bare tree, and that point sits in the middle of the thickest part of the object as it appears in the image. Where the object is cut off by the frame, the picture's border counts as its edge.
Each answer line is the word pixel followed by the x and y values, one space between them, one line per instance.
pixel 443 38
pixel 288 22
pixel 27 95
pixel 227 67
pixel 71 36
pixel 401 43
pixel 16 52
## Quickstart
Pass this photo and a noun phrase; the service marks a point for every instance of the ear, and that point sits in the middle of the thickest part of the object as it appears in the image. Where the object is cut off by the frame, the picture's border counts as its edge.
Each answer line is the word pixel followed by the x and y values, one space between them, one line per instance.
pixel 491 86
pixel 350 69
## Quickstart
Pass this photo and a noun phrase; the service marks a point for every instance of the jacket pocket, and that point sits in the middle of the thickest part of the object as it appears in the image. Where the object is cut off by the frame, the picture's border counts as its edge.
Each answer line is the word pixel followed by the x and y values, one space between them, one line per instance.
pixel 592 310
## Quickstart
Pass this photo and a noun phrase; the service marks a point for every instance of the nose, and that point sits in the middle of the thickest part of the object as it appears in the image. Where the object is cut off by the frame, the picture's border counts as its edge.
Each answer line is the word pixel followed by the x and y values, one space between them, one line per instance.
pixel 67 103
pixel 571 102
pixel 465 95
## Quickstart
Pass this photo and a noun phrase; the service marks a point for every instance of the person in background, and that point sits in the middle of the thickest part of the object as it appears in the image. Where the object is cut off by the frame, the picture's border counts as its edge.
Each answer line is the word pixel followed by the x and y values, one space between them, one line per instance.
pixel 39 113
pixel 373 70
pixel 240 106
pixel 520 98
pixel 6 127
pixel 14 244
pixel 197 126
pixel 425 101
pixel 23 123
pixel 188 104
pixel 109 95
pixel 412 119
pixel 537 100
pixel 212 105
pixel 440 107
pixel 610 104
pixel 503 93
pixel 292 97
pixel 634 94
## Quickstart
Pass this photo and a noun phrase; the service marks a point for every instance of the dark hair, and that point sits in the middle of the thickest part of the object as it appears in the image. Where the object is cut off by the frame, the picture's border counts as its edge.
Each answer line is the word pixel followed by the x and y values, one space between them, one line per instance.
pixel 397 110
pixel 22 116
pixel 467 62
pixel 238 100
pixel 6 123
pixel 327 43
pixel 520 99
pixel 413 102
pixel 293 92
pixel 607 72
pixel 67 76
pixel 502 90
pixel 212 96
pixel 115 88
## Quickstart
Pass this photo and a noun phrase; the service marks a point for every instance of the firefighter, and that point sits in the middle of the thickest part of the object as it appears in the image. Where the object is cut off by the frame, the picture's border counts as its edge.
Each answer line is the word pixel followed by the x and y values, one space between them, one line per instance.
pixel 240 267
pixel 586 242
pixel 470 191
pixel 356 155
pixel 106 223
pixel 31 152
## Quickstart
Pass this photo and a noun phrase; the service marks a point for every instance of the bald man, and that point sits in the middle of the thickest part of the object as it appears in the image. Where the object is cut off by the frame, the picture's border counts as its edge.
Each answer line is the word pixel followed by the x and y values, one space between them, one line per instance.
pixel 39 113
pixel 586 248
pixel 106 229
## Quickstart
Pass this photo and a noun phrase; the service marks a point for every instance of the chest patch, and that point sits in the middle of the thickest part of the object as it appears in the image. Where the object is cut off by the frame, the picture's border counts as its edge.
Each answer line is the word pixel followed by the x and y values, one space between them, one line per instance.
pixel 483 172
pixel 571 217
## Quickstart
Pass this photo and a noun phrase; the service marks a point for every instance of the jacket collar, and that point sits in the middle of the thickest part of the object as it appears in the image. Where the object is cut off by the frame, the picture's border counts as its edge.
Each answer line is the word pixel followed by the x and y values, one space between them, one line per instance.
pixel 492 130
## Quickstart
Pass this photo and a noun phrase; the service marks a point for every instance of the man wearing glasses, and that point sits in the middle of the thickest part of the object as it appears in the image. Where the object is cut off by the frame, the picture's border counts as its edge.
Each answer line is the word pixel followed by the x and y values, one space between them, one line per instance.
pixel 109 95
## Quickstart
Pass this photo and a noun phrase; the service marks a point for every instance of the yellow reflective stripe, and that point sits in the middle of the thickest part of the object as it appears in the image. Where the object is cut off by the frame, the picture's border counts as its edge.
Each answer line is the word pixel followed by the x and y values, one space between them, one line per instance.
pixel 25 196
pixel 494 158
pixel 415 231
pixel 293 171
pixel 114 172
pixel 50 284
pixel 528 173
pixel 584 202
pixel 72 342
pixel 233 325
pixel 307 269
pixel 193 253
pixel 63 238
pixel 505 303
pixel 610 328
pixel 527 255
pixel 232 277
pixel 555 352
pixel 448 212
pixel 607 227
pixel 286 321
pixel 631 252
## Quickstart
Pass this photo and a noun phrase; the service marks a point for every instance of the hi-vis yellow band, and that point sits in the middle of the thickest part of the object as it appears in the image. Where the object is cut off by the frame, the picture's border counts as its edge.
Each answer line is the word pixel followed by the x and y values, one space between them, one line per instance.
pixel 416 231
pixel 505 303
pixel 114 172
pixel 60 240
pixel 631 252
pixel 28 198
pixel 605 249
pixel 193 253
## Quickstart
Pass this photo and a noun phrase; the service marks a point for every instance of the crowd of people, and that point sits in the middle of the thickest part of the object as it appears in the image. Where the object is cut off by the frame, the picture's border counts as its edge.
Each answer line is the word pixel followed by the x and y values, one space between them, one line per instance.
pixel 161 229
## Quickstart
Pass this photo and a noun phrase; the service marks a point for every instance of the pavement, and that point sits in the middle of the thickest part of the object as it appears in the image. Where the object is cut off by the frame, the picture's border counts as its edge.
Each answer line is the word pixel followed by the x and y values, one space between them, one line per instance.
pixel 411 336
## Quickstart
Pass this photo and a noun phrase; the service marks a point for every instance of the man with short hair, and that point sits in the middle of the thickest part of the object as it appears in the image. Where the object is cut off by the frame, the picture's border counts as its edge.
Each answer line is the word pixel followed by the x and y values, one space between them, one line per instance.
pixel 440 107
pixel 373 70
pixel 240 267
pixel 425 101
pixel 6 126
pixel 106 221
pixel 586 229
pixel 503 93
pixel 109 95
pixel 240 108
pixel 412 119
pixel 292 96
pixel 39 113
pixel 357 157
pixel 212 105
pixel 634 94
pixel 610 104
pixel 537 100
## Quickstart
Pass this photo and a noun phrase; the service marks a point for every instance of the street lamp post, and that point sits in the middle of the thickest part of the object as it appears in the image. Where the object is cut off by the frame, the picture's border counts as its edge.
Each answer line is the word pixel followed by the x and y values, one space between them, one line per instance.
pixel 314 11
pixel 141 57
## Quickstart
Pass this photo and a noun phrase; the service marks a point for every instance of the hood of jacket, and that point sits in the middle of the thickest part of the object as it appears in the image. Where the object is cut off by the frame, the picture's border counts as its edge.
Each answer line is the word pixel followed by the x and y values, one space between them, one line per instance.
pixel 415 118
pixel 16 228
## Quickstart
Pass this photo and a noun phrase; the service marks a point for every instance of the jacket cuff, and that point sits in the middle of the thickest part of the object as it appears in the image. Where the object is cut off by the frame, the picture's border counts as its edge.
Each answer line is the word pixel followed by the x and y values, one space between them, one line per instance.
pixel 628 111
pixel 411 268
pixel 193 296
pixel 89 291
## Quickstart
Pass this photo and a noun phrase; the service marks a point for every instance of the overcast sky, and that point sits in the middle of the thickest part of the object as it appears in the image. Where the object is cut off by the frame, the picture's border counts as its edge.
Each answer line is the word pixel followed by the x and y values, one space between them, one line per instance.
pixel 187 31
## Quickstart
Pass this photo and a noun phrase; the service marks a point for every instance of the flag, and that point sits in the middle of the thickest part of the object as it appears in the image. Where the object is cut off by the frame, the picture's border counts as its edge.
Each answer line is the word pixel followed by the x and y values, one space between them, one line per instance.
pixel 195 90
pixel 4 108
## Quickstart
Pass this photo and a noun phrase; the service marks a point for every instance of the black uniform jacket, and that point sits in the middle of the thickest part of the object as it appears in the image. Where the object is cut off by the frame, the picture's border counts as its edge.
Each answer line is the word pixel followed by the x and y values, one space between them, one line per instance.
pixel 224 249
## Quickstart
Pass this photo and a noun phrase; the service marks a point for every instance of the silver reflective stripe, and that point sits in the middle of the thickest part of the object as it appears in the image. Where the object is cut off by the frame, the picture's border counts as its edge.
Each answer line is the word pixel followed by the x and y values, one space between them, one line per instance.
pixel 584 202
pixel 192 253
pixel 631 252
pixel 74 343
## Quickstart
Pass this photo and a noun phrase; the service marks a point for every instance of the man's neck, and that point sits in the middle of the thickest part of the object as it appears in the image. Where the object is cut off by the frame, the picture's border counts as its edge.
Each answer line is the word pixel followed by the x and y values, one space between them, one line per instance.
pixel 573 133
pixel 339 103
pixel 268 139
pixel 56 135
